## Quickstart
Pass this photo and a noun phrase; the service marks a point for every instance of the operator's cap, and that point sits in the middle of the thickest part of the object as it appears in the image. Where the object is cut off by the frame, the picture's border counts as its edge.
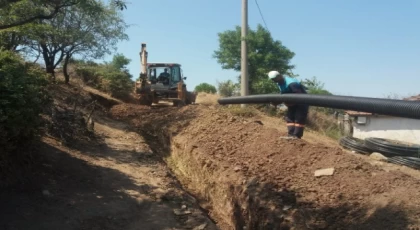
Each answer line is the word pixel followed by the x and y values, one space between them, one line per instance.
pixel 273 74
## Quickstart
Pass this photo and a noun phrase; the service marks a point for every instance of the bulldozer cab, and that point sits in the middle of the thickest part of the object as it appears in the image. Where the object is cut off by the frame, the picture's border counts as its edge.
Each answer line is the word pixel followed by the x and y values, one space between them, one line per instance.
pixel 166 74
pixel 161 82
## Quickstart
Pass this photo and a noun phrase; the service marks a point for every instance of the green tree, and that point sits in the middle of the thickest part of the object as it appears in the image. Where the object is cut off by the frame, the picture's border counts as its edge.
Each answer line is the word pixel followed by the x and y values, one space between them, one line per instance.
pixel 314 86
pixel 264 54
pixel 88 32
pixel 21 12
pixel 205 88
pixel 116 79
pixel 23 96
pixel 11 40
pixel 120 62
pixel 228 88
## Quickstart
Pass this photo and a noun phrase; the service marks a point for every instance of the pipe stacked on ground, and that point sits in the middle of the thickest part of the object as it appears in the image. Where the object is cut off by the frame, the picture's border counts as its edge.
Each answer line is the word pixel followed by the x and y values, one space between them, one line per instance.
pixel 398 108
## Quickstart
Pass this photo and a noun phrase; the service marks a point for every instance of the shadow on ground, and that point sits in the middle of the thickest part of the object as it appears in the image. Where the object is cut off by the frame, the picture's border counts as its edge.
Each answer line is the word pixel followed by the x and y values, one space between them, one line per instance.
pixel 69 193
pixel 155 126
pixel 263 206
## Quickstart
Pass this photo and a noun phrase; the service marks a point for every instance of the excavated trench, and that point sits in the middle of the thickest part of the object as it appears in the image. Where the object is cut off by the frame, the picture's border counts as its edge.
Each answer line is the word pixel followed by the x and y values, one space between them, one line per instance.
pixel 232 199
pixel 248 179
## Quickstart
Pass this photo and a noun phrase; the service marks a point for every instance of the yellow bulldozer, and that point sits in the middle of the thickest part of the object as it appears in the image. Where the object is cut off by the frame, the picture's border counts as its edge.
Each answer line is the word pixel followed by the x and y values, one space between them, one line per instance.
pixel 161 82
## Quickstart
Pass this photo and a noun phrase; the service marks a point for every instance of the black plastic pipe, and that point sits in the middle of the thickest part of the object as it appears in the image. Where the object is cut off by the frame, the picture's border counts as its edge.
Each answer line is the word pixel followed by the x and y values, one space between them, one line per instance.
pixel 398 108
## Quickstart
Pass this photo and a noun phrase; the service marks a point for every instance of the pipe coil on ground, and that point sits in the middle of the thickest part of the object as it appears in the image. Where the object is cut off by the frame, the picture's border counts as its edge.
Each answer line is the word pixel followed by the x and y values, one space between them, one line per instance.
pixel 355 144
pixel 392 148
pixel 412 162
pixel 399 108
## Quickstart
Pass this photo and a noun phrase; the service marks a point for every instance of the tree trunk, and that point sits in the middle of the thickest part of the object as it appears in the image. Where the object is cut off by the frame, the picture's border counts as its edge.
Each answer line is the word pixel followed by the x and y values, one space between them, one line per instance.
pixel 66 74
pixel 49 64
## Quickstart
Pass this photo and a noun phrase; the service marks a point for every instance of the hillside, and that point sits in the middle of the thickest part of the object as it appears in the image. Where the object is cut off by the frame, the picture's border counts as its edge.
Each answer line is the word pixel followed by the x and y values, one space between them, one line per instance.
pixel 200 167
pixel 109 179
pixel 81 147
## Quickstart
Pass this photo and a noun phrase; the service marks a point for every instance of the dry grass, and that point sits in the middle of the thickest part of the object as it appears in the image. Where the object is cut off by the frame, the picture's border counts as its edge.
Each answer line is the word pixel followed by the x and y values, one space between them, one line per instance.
pixel 207 99
pixel 237 110
pixel 324 124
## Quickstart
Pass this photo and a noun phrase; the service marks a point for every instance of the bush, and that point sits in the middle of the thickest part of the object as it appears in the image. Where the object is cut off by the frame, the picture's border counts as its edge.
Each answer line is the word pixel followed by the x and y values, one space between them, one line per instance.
pixel 23 97
pixel 117 83
pixel 89 75
pixel 323 123
pixel 112 78
pixel 114 82
pixel 205 88
pixel 228 88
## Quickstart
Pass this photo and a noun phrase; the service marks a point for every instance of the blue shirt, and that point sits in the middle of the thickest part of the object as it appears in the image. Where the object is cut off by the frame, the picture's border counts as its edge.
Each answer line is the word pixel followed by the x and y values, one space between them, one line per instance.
pixel 291 85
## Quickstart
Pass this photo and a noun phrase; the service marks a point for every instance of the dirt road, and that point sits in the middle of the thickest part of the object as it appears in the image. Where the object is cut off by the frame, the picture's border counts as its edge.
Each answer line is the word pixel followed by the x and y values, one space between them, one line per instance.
pixel 114 183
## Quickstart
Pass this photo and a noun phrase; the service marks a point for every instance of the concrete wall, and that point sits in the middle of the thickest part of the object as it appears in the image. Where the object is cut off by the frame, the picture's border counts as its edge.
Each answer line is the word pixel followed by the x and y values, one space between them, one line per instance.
pixel 395 128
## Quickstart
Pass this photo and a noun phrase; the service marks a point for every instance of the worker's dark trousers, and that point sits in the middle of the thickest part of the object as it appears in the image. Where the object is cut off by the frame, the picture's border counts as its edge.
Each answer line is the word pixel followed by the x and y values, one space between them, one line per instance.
pixel 296 119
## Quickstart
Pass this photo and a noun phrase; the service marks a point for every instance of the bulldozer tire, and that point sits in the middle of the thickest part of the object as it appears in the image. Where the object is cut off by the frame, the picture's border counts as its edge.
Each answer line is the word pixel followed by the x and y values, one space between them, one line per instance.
pixel 190 98
pixel 179 103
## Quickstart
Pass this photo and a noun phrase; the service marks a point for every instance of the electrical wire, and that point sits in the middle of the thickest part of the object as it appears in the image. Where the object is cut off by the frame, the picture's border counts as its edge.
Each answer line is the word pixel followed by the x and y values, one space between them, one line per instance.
pixel 258 6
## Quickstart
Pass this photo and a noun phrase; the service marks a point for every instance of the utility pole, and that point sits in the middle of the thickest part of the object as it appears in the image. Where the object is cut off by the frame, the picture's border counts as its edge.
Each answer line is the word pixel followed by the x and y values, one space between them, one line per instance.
pixel 244 50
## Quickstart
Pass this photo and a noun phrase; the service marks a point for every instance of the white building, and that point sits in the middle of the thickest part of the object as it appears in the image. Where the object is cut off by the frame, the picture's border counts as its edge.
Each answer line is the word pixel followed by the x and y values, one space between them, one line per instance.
pixel 395 128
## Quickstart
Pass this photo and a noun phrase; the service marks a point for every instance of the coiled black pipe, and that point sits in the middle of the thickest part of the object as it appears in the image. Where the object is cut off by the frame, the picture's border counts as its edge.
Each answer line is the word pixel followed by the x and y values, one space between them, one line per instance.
pixel 392 148
pixel 398 108
pixel 411 162
pixel 355 144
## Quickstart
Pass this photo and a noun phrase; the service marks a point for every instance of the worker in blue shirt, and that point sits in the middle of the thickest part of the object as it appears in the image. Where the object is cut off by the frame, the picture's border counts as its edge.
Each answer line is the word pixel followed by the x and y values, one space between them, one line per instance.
pixel 296 114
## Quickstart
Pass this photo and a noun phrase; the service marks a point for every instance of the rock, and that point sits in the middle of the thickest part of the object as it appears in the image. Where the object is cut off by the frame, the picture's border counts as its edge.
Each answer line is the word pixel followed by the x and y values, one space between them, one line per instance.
pixel 259 122
pixel 377 156
pixel 324 172
pixel 287 207
pixel 179 212
pixel 184 207
pixel 201 227
pixel 237 168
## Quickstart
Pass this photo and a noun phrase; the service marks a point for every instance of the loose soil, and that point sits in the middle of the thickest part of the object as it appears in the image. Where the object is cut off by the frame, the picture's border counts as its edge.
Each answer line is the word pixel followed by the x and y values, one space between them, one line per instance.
pixel 128 175
pixel 247 176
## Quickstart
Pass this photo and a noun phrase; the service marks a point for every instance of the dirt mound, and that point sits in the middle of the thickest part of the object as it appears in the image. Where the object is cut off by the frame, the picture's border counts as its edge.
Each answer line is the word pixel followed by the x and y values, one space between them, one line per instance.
pixel 207 99
pixel 128 110
pixel 257 151
pixel 269 182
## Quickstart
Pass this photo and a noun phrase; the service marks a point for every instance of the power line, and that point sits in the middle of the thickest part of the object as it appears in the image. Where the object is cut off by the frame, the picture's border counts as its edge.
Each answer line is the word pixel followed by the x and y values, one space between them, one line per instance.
pixel 256 2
